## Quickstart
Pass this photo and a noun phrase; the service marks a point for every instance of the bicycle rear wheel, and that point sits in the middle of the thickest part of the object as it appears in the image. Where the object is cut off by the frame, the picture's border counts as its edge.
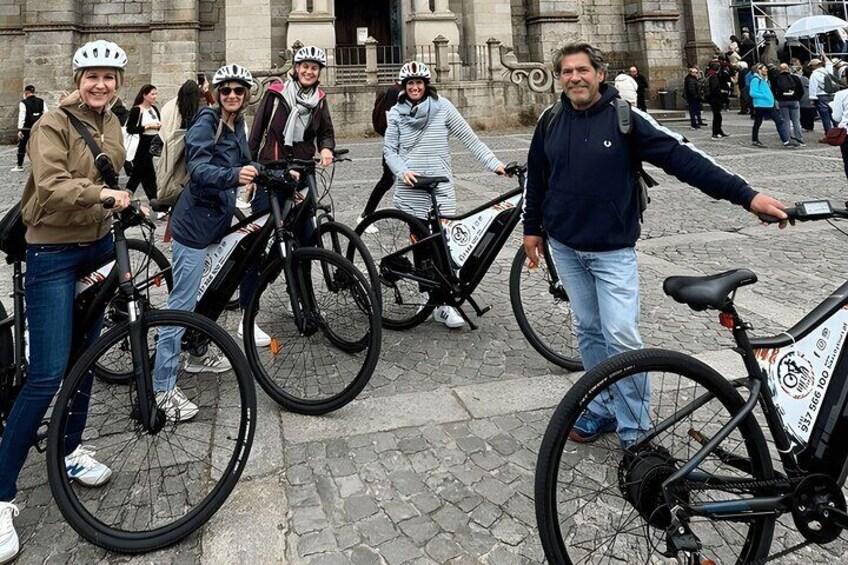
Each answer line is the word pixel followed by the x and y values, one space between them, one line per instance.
pixel 342 240
pixel 325 366
pixel 596 503
pixel 153 278
pixel 543 311
pixel 405 304
pixel 168 482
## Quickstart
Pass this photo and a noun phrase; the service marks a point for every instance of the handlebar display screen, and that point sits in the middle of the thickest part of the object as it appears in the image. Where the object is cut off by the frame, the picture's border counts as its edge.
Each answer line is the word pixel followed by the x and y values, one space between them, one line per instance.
pixel 816 208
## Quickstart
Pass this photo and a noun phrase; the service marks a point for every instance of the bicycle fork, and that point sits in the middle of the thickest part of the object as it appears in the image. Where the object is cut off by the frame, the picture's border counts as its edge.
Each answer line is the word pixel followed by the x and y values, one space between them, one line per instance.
pixel 295 284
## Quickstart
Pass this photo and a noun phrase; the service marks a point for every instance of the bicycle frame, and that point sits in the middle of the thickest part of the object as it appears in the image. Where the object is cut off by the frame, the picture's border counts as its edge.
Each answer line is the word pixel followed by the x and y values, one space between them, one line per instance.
pixel 467 245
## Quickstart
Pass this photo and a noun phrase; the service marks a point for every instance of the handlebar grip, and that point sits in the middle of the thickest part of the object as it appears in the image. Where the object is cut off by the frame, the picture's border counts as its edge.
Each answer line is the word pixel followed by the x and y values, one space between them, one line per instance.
pixel 791 214
pixel 158 206
pixel 108 203
pixel 340 152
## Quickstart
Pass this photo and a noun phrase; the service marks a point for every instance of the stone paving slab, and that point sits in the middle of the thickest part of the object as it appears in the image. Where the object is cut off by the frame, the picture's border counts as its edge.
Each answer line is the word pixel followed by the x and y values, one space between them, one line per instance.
pixel 434 462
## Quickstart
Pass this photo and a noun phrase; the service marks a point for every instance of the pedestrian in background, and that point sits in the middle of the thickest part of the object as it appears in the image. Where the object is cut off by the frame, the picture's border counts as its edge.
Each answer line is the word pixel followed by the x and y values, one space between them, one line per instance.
pixel 788 91
pixel 642 90
pixel 144 121
pixel 692 93
pixel 30 109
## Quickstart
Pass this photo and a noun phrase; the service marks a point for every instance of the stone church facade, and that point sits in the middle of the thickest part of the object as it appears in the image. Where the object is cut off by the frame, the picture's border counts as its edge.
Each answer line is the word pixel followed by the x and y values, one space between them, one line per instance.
pixel 169 41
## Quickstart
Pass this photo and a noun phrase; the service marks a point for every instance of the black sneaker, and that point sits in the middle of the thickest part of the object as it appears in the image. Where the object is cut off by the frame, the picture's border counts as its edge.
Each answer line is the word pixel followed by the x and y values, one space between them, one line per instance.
pixel 716 138
pixel 590 426
pixel 758 144
pixel 800 142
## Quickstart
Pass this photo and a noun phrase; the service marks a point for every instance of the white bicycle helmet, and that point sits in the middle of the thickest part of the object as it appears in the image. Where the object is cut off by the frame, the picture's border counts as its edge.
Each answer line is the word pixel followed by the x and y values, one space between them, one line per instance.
pixel 311 53
pixel 235 73
pixel 99 53
pixel 414 69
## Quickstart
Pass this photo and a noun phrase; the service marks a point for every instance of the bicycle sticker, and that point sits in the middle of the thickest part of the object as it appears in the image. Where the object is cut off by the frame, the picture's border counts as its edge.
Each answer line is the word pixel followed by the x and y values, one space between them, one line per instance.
pixel 91 279
pixel 464 235
pixel 218 253
pixel 799 375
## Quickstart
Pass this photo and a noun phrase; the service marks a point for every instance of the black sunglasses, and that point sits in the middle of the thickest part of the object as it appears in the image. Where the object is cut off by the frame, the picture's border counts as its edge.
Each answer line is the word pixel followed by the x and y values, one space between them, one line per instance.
pixel 226 90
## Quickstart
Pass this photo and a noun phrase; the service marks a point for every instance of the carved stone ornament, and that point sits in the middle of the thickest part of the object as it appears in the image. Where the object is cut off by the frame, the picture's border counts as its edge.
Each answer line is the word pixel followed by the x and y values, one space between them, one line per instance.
pixel 266 77
pixel 539 76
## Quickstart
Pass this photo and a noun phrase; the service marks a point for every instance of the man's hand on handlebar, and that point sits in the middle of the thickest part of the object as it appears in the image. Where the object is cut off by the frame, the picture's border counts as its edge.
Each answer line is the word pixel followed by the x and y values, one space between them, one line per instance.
pixel 410 178
pixel 534 248
pixel 763 204
pixel 247 174
pixel 121 198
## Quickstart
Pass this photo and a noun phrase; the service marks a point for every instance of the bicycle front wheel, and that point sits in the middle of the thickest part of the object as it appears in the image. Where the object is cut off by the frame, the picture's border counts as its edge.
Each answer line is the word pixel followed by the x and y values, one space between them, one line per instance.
pixel 153 278
pixel 405 303
pixel 325 364
pixel 543 311
pixel 599 502
pixel 160 485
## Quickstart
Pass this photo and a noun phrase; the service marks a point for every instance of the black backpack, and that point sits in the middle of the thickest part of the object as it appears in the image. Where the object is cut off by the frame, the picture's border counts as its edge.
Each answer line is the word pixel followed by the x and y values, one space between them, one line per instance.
pixel 381 106
pixel 644 181
pixel 784 87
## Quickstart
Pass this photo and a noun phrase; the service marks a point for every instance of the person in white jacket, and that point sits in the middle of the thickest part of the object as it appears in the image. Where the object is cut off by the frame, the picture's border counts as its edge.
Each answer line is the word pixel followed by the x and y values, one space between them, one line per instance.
pixel 626 87
pixel 839 106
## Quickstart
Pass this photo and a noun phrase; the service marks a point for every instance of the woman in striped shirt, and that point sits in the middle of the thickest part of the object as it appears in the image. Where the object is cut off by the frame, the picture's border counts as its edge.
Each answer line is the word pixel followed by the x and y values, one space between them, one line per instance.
pixel 416 144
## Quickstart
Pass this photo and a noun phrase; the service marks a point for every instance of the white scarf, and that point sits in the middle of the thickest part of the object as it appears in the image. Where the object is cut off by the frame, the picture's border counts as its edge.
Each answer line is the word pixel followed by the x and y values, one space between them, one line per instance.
pixel 301 103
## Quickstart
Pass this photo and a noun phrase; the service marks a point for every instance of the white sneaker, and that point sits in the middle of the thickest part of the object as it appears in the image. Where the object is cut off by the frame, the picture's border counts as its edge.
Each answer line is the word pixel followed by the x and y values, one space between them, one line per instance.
pixel 370 229
pixel 448 316
pixel 161 215
pixel 175 404
pixel 16 169
pixel 9 543
pixel 207 364
pixel 261 338
pixel 85 469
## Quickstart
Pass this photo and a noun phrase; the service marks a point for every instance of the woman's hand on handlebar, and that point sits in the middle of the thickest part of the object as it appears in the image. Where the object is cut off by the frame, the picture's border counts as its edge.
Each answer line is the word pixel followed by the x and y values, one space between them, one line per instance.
pixel 764 204
pixel 121 198
pixel 500 170
pixel 327 157
pixel 410 178
pixel 534 247
pixel 247 174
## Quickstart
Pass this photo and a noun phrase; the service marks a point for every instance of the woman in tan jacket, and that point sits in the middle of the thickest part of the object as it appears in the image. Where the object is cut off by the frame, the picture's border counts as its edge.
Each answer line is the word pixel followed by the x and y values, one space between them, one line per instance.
pixel 67 231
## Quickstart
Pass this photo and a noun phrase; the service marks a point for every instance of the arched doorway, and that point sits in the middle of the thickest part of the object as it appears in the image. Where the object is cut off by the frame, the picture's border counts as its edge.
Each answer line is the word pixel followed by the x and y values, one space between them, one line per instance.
pixel 380 19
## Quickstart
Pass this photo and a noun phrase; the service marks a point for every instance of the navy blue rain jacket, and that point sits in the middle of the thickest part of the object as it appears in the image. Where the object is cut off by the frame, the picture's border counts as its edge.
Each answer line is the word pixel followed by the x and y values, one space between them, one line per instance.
pixel 206 206
pixel 581 184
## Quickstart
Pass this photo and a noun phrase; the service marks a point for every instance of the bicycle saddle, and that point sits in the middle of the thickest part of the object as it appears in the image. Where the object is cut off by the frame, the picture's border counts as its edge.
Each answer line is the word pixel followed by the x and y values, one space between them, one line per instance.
pixel 712 291
pixel 430 183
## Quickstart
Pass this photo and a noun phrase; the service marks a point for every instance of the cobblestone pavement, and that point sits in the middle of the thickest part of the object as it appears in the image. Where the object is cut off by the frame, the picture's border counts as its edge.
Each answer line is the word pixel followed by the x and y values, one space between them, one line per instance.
pixel 434 462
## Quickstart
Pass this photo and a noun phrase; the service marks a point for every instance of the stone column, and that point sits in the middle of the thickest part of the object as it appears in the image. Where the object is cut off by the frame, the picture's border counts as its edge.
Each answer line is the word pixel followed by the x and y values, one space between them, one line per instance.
pixel 313 28
pixel 483 19
pixel 174 30
pixel 494 53
pixel 442 67
pixel 299 7
pixel 371 61
pixel 248 33
pixel 50 42
pixel 653 31
pixel 423 26
pixel 699 46
pixel 550 25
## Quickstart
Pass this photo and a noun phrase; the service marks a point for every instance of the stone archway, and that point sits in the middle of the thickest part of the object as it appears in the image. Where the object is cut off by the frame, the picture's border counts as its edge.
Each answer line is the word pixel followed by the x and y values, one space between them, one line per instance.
pixel 380 19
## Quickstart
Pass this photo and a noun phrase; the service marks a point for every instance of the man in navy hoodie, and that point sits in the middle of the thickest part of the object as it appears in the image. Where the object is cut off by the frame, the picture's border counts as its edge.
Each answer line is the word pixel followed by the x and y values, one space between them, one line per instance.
pixel 581 190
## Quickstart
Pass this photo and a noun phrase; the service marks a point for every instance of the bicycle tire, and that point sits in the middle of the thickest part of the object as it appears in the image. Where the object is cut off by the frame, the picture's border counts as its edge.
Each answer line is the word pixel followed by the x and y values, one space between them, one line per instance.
pixel 145 282
pixel 556 451
pixel 7 372
pixel 112 518
pixel 549 328
pixel 404 304
pixel 299 371
pixel 354 251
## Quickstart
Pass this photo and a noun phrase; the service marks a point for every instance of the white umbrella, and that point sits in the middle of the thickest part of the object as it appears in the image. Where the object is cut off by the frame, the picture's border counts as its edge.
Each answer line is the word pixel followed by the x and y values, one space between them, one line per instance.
pixel 814 25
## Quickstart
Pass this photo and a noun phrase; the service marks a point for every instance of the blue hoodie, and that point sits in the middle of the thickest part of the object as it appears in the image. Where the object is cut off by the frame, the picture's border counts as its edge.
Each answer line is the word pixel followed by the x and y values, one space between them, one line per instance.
pixel 581 186
pixel 205 208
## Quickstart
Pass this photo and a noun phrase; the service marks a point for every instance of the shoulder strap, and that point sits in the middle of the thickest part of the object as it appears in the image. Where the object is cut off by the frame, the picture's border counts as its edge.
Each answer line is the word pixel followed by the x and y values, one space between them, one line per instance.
pixel 551 115
pixel 84 133
pixel 625 121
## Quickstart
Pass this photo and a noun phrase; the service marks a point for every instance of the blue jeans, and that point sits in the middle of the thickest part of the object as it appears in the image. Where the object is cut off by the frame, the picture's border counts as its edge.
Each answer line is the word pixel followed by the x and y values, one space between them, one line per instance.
pixel 604 290
pixel 823 108
pixel 771 112
pixel 51 275
pixel 188 273
pixel 694 112
pixel 791 113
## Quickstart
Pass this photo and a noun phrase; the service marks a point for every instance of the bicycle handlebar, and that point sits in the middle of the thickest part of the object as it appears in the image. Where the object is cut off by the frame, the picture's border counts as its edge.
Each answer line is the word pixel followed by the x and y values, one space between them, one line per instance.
pixel 807 211
pixel 302 164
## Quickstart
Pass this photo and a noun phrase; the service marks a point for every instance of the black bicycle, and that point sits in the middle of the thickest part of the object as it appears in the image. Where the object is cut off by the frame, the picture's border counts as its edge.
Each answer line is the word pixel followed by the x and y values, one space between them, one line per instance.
pixel 318 309
pixel 441 262
pixel 168 476
pixel 699 484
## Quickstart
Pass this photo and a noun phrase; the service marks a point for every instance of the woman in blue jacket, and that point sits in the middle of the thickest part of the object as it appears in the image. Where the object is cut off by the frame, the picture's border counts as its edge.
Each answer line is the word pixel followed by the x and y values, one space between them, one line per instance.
pixel 217 158
pixel 764 105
